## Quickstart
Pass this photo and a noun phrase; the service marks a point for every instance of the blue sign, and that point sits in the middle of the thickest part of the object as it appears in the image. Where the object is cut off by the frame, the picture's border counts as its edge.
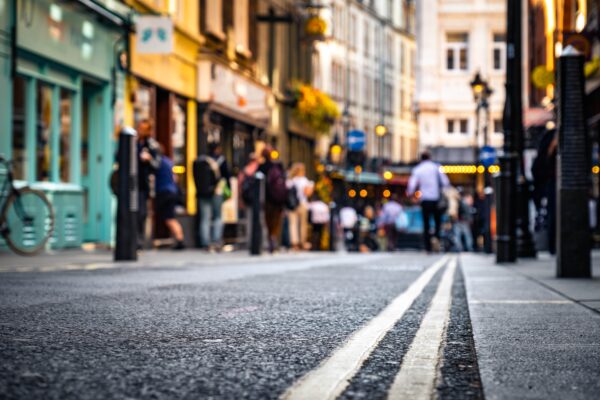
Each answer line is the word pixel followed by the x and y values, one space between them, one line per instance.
pixel 487 156
pixel 356 140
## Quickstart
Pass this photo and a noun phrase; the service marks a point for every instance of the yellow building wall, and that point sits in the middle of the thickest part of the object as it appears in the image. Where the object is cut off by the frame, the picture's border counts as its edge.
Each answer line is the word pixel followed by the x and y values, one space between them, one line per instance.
pixel 176 72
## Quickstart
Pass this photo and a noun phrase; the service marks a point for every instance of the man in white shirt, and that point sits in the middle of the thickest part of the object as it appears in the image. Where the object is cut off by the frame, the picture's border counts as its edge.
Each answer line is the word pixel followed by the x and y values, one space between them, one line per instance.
pixel 430 181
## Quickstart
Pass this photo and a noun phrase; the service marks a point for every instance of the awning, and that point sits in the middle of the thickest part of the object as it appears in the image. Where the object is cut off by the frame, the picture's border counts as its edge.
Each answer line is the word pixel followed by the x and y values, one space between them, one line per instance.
pixel 363 177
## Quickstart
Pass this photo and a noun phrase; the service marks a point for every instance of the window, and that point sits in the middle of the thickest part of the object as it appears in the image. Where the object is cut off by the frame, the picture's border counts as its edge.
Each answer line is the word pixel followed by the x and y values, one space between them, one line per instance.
pixel 456 51
pixel 368 92
pixel 463 125
pixel 377 101
pixel 367 41
pixel 499 51
pixel 450 126
pixel 498 126
pixel 18 133
pixel 354 33
pixel 44 132
pixel 389 49
pixel 65 135
pixel 457 126
pixel 241 25
pixel 401 58
pixel 211 21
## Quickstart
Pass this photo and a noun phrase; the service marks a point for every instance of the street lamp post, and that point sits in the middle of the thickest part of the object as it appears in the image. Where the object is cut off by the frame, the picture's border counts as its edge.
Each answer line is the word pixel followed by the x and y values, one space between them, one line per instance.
pixel 506 238
pixel 481 94
pixel 380 131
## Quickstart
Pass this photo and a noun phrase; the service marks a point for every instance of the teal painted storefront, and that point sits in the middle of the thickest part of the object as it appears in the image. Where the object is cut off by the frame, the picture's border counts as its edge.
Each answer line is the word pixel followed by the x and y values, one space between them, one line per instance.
pixel 60 121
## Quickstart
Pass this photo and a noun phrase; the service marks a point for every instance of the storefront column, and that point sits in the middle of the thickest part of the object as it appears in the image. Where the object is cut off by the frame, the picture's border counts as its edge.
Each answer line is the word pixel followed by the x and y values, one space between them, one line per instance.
pixel 105 165
pixel 75 149
pixel 30 128
pixel 191 154
pixel 6 23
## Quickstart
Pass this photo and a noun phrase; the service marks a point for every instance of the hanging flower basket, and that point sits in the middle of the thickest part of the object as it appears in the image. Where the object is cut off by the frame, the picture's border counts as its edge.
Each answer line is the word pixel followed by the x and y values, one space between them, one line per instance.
pixel 314 108
pixel 315 26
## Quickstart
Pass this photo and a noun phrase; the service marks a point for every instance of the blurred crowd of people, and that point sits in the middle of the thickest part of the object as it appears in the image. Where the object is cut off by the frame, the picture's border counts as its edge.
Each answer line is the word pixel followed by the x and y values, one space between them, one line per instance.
pixel 295 217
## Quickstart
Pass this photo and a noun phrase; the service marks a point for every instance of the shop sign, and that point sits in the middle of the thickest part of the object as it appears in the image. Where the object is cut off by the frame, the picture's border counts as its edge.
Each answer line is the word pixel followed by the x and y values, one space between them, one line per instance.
pixel 237 93
pixel 59 32
pixel 154 35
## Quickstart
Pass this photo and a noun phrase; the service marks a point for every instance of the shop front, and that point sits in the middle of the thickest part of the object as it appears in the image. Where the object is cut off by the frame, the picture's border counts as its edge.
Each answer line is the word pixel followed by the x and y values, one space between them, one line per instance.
pixel 162 88
pixel 235 112
pixel 61 127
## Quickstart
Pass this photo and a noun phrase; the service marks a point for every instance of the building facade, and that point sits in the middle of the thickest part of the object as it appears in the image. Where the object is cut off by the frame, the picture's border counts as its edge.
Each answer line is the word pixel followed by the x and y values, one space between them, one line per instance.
pixel 367 66
pixel 59 83
pixel 457 39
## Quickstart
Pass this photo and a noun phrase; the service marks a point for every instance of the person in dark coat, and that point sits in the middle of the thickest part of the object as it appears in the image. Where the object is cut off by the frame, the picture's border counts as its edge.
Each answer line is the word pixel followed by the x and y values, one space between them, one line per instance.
pixel 148 151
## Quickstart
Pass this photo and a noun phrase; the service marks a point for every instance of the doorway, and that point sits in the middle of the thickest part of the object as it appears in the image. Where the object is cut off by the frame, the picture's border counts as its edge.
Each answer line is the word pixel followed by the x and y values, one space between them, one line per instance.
pixel 93 182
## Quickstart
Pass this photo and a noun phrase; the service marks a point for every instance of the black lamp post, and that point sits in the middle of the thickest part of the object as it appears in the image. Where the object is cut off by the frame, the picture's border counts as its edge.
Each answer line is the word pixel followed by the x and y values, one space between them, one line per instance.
pixel 506 238
pixel 481 94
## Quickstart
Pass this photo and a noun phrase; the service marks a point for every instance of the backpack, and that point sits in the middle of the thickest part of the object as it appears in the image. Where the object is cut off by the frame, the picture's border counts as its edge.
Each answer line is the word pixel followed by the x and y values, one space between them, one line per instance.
pixel 247 189
pixel 206 176
pixel 276 187
pixel 292 202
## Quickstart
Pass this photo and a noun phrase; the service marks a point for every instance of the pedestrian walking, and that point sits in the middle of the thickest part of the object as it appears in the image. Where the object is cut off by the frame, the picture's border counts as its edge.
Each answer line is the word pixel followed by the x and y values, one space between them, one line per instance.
pixel 462 225
pixel 368 231
pixel 390 212
pixel 275 196
pixel 430 181
pixel 544 171
pixel 246 180
pixel 319 219
pixel 148 153
pixel 167 199
pixel 212 179
pixel 298 217
pixel 348 221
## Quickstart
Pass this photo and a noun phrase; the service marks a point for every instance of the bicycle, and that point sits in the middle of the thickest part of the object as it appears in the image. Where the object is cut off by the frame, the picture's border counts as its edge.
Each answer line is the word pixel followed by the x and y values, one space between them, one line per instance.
pixel 26 217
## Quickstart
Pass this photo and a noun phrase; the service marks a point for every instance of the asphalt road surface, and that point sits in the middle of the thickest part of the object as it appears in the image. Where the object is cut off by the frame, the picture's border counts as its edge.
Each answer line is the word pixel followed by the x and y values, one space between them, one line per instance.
pixel 381 326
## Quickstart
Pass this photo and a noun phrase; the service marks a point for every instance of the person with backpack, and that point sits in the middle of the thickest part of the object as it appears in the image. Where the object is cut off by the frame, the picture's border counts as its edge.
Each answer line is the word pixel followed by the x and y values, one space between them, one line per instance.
pixel 212 179
pixel 275 196
pixel 167 199
pixel 298 215
pixel 148 153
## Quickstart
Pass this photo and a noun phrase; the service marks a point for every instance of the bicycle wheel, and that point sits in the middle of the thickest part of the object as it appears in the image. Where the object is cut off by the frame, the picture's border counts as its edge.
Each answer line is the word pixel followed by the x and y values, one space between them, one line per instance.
pixel 29 221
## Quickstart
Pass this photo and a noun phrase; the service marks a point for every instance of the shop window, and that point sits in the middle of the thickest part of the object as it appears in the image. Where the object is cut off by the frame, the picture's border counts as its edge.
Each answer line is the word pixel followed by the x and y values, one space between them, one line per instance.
pixel 65 134
pixel 179 120
pixel 18 133
pixel 44 132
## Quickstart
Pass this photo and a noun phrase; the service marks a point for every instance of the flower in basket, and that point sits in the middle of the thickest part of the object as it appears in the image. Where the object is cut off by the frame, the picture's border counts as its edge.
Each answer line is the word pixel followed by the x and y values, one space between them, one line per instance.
pixel 314 108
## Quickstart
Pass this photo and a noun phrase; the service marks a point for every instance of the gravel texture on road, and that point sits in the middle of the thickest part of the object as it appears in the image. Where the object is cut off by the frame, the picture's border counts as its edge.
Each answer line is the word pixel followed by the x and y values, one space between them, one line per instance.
pixel 250 337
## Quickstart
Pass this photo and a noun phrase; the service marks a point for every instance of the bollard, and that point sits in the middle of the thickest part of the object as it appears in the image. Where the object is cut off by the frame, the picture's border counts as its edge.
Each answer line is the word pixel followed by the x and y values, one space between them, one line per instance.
pixel 256 231
pixel 332 230
pixel 573 233
pixel 127 196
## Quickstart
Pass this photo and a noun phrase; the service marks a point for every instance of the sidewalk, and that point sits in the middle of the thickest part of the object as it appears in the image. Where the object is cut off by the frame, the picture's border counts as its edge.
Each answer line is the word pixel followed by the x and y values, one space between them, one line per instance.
pixel 537 337
pixel 79 259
